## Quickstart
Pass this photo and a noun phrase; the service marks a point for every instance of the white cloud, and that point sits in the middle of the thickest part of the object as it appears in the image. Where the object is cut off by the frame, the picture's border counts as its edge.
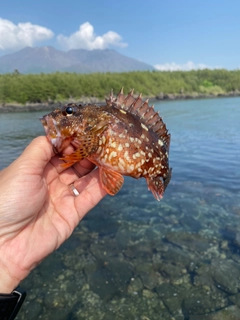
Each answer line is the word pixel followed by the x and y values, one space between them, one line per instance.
pixel 85 38
pixel 184 67
pixel 18 36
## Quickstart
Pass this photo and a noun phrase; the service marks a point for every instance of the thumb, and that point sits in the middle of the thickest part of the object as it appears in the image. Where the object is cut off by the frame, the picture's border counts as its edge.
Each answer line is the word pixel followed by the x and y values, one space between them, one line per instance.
pixel 38 153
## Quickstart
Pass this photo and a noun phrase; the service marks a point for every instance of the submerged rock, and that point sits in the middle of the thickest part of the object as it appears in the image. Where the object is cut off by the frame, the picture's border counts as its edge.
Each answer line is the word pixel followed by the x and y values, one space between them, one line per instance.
pixel 235 299
pixel 190 223
pixel 112 279
pixel 189 241
pixel 135 286
pixel 136 307
pixel 199 301
pixel 173 272
pixel 172 298
pixel 229 313
pixel 141 249
pixel 226 274
pixel 202 276
pixel 178 257
pixel 102 283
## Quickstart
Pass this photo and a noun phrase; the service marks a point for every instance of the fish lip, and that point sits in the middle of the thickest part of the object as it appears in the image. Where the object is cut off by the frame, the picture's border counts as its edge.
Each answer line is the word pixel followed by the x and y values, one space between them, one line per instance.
pixel 44 123
pixel 50 125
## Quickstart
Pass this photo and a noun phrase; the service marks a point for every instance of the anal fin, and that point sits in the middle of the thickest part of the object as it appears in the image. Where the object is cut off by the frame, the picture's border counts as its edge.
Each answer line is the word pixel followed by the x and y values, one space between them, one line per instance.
pixel 112 181
pixel 155 185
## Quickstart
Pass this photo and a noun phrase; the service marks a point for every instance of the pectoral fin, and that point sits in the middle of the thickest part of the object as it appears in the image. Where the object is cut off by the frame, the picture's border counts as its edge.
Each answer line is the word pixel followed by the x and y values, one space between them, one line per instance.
pixel 74 157
pixel 167 179
pixel 111 181
pixel 85 145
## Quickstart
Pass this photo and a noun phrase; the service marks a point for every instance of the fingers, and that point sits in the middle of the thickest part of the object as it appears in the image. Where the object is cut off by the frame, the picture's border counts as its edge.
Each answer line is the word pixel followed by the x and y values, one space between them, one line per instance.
pixel 68 150
pixel 39 148
pixel 84 167
pixel 90 191
pixel 88 185
pixel 73 173
pixel 36 156
pixel 80 168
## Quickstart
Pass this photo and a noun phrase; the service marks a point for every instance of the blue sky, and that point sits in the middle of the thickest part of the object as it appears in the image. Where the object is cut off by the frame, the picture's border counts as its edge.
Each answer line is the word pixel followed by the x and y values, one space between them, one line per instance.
pixel 170 34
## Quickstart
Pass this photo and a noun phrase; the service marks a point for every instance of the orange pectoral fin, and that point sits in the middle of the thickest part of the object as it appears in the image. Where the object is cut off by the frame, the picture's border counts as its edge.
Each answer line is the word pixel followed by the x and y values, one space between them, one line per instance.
pixel 74 157
pixel 112 181
pixel 155 185
pixel 85 146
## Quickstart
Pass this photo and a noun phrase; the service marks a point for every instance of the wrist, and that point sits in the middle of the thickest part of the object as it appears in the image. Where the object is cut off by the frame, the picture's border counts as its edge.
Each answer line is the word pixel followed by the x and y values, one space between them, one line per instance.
pixel 10 304
pixel 7 282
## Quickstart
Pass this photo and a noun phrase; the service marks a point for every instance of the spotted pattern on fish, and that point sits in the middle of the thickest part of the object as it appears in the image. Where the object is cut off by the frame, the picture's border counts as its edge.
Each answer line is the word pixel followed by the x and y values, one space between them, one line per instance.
pixel 123 137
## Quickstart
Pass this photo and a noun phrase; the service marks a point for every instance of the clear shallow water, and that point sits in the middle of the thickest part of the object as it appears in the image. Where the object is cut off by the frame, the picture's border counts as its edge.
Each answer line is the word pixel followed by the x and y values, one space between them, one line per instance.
pixel 135 258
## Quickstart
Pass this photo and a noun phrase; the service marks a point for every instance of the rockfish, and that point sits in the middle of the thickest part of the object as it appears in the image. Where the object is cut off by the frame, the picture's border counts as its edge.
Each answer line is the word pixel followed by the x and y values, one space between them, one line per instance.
pixel 123 137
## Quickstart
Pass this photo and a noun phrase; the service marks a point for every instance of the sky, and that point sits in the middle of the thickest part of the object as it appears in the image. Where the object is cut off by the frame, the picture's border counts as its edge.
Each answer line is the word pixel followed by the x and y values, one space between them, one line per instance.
pixel 167 34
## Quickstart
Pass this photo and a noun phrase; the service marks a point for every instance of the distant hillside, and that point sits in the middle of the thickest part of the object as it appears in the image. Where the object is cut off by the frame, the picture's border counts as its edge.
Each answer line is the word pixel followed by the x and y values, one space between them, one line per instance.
pixel 65 87
pixel 49 59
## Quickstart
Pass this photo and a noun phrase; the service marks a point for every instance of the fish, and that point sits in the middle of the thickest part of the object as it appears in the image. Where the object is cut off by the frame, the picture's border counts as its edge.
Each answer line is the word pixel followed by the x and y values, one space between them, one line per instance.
pixel 123 137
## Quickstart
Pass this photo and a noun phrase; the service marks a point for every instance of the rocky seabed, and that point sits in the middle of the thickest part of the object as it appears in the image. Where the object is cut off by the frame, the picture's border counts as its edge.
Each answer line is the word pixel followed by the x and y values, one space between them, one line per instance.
pixel 178 260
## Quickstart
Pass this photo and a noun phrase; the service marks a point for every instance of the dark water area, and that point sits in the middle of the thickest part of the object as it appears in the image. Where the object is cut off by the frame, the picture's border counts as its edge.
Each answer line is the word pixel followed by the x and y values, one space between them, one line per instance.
pixel 138 259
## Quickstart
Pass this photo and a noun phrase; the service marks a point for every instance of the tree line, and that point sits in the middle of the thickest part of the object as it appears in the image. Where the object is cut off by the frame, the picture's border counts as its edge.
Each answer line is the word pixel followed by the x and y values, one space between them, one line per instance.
pixel 41 88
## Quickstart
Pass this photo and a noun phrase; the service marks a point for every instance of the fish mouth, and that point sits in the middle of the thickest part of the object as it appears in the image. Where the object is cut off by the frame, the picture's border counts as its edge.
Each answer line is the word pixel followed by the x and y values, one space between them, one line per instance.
pixel 52 132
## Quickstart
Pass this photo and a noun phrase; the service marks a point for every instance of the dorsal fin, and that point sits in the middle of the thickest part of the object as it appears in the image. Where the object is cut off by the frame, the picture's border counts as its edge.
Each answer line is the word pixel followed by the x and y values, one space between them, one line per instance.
pixel 146 114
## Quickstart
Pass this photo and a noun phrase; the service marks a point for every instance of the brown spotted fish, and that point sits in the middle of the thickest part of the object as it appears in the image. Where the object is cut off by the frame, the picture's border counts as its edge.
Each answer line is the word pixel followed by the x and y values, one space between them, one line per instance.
pixel 124 137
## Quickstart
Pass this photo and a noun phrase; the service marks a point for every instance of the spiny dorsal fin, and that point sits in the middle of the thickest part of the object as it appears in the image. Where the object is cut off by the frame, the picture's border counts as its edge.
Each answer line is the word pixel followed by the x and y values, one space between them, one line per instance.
pixel 146 114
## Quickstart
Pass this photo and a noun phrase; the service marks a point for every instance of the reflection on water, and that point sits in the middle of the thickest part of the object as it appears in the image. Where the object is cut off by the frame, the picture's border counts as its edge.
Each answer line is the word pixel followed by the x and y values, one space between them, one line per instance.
pixel 135 258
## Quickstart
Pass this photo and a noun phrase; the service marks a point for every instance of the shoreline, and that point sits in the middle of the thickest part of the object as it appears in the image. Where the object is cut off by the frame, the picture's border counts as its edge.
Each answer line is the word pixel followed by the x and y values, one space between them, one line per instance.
pixel 31 107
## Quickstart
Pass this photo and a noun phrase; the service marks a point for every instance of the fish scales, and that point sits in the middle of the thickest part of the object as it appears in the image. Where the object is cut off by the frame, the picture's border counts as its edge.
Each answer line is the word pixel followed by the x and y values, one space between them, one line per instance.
pixel 124 137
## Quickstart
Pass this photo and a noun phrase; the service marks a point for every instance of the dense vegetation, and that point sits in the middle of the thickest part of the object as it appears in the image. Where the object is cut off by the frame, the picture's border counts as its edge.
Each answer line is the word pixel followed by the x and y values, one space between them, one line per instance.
pixel 21 88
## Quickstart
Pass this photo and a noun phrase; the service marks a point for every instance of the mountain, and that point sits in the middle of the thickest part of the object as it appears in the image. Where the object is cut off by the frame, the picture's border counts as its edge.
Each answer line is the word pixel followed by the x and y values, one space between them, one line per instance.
pixel 49 59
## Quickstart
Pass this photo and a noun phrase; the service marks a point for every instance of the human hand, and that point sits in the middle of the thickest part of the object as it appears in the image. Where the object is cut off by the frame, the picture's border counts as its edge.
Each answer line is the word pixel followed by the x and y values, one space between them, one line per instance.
pixel 38 210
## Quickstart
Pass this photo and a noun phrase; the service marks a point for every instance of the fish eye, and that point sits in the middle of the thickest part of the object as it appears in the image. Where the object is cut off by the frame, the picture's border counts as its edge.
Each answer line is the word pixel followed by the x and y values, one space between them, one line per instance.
pixel 68 110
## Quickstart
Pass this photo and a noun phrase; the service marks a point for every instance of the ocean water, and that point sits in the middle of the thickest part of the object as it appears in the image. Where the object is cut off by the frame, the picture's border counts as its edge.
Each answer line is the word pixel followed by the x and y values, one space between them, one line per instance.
pixel 135 258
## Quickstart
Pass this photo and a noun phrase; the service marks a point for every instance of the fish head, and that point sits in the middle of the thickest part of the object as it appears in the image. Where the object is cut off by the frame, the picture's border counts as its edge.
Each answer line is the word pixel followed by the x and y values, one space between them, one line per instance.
pixel 62 125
